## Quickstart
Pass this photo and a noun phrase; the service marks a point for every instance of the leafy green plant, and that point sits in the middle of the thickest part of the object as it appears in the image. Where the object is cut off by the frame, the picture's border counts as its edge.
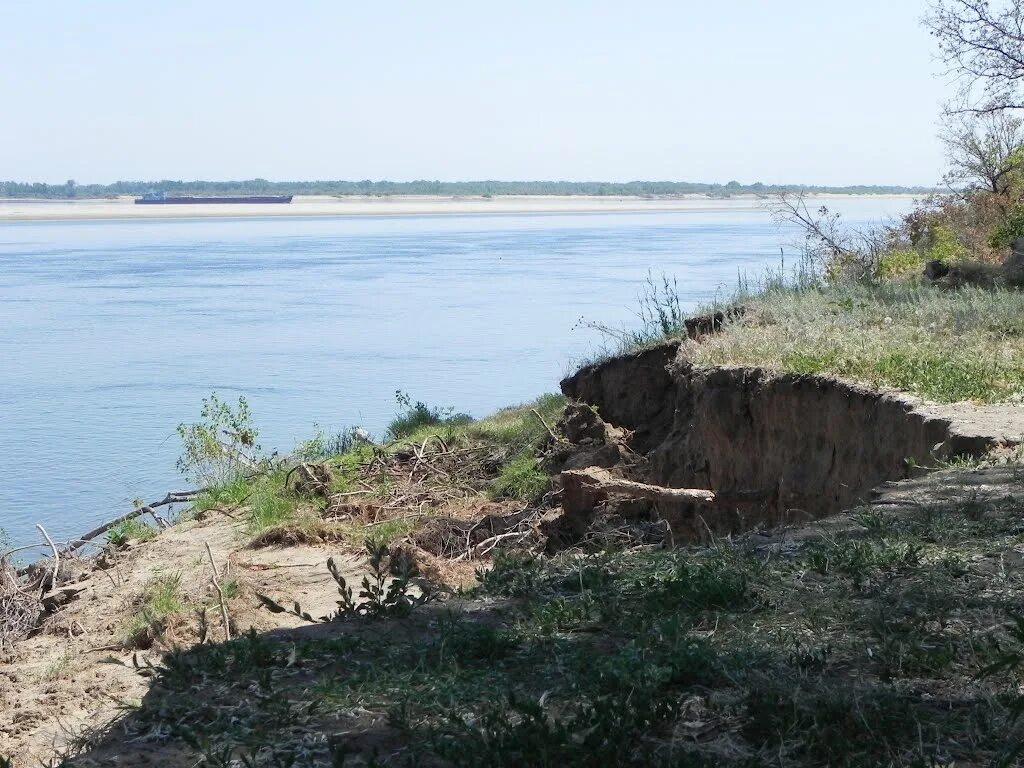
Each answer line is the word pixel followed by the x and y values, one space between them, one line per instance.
pixel 222 445
pixel 1010 229
pixel 323 445
pixel 521 731
pixel 857 559
pixel 943 244
pixel 1009 659
pixel 513 574
pixel 899 262
pixel 386 592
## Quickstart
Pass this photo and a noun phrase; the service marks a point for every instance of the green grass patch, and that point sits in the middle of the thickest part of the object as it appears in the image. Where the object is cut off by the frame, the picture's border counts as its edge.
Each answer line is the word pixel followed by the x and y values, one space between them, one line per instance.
pixel 521 479
pixel 161 598
pixel 944 346
pixel 518 428
pixel 269 503
pixel 231 494
pixel 130 530
pixel 417 415
pixel 514 429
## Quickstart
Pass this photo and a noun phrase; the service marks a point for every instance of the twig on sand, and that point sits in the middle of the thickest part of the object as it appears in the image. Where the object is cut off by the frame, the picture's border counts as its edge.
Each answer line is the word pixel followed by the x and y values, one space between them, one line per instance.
pixel 220 593
pixel 481 549
pixel 394 519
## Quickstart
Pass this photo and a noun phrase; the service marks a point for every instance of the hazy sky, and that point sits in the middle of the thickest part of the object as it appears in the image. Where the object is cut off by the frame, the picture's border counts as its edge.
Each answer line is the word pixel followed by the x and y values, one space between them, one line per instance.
pixel 815 91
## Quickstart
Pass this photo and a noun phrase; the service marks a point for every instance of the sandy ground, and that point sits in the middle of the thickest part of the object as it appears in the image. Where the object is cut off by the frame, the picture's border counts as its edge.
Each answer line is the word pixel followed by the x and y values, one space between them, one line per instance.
pixel 77 674
pixel 125 208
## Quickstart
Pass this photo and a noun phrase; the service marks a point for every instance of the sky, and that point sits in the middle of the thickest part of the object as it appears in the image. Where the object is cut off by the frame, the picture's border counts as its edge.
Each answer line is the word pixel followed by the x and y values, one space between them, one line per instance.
pixel 787 91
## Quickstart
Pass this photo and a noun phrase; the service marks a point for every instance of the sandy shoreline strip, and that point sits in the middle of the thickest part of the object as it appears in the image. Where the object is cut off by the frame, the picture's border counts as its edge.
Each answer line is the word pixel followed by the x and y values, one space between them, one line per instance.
pixel 124 207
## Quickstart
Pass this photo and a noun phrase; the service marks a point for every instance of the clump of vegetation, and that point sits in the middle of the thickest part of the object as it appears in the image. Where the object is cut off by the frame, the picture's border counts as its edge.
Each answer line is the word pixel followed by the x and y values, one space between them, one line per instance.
pixel 417 415
pixel 161 600
pixel 324 445
pixel 521 478
pixel 130 530
pixel 222 446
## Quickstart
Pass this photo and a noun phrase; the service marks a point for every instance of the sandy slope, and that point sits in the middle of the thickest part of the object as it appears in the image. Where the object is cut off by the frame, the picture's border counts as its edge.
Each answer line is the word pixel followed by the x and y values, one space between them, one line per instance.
pixel 66 681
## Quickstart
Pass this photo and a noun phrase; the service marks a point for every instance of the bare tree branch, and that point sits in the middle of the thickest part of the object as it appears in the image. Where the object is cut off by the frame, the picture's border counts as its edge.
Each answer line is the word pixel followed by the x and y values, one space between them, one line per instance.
pixel 982 44
pixel 984 153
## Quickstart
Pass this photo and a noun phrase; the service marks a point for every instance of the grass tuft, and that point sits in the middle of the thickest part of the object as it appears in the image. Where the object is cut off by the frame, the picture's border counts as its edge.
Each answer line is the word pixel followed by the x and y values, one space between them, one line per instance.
pixel 161 599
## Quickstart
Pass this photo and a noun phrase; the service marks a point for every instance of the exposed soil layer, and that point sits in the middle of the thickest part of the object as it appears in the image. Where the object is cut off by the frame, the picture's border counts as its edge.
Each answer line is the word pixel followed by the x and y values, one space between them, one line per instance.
pixel 810 445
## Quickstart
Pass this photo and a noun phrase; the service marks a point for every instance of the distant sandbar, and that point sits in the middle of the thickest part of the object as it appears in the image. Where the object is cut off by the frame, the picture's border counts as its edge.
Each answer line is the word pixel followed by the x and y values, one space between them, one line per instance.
pixel 399 205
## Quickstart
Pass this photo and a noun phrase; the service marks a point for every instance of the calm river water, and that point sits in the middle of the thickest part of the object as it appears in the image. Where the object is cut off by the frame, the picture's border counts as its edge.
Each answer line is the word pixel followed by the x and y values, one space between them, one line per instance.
pixel 111 332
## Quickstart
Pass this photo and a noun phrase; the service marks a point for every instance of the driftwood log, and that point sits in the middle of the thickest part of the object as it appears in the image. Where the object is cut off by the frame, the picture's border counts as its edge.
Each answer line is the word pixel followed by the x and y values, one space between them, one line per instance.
pixel 174 497
pixel 582 489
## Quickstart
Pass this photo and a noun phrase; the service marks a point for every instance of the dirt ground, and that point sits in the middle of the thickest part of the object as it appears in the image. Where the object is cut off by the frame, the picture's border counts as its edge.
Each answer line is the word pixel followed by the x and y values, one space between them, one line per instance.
pixel 79 672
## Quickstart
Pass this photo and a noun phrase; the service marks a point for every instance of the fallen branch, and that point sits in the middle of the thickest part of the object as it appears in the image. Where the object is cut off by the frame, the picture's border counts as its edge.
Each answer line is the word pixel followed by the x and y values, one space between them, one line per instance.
pixel 394 519
pixel 174 497
pixel 481 549
pixel 584 488
pixel 220 594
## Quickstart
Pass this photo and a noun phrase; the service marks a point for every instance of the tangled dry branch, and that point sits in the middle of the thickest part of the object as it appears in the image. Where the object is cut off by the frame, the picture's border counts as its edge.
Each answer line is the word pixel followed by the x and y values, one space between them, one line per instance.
pixel 20 608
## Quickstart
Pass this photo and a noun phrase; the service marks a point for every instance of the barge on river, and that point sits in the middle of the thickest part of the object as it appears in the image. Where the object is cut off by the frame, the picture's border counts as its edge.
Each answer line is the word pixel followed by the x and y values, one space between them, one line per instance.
pixel 161 198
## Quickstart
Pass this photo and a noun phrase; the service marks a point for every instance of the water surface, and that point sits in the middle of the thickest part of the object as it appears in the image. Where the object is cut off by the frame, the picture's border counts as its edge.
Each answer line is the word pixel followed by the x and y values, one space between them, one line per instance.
pixel 111 332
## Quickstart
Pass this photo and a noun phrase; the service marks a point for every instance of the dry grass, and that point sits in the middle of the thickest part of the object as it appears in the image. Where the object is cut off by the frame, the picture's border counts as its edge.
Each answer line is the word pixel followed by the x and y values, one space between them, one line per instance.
pixel 305 531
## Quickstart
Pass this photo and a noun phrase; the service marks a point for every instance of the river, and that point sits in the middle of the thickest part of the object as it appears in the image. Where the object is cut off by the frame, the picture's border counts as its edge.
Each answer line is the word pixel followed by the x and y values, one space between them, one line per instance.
pixel 112 332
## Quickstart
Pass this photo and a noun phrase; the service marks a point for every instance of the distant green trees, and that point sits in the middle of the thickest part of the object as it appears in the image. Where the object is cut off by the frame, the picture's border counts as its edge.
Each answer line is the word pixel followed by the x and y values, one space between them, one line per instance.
pixel 427 187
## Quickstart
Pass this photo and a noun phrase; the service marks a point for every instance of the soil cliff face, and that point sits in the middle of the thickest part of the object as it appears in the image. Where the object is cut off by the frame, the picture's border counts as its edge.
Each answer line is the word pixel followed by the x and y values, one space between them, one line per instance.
pixel 632 391
pixel 807 446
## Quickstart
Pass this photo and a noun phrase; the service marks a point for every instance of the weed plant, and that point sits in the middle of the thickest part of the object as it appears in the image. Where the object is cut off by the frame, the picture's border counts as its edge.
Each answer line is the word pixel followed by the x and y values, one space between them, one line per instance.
pixel 386 593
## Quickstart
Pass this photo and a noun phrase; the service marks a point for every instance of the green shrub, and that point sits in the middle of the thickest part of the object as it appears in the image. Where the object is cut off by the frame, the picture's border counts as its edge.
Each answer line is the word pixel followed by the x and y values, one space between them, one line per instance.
pixel 1009 230
pixel 269 502
pixel 222 446
pixel 161 599
pixel 417 415
pixel 944 245
pixel 899 262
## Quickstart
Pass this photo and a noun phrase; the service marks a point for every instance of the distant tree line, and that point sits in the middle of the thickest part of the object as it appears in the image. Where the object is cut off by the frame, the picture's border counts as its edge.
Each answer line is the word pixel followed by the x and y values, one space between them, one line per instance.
pixel 70 189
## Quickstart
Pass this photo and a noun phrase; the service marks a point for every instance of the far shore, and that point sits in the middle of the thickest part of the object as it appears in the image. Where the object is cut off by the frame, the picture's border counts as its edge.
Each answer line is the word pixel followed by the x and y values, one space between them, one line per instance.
pixel 12 210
